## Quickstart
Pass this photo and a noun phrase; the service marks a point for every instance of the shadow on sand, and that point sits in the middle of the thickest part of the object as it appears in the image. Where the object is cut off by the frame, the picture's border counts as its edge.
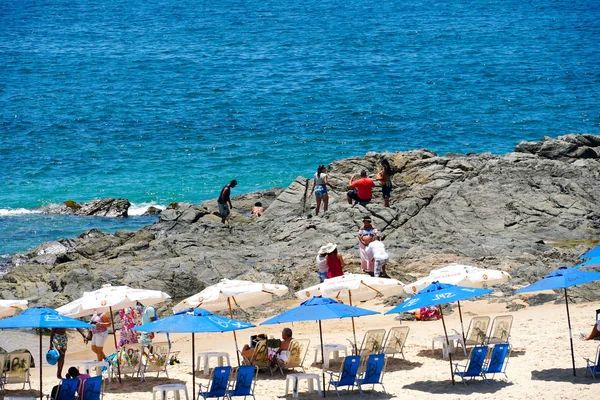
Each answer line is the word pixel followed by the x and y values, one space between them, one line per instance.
pixel 134 385
pixel 563 375
pixel 475 386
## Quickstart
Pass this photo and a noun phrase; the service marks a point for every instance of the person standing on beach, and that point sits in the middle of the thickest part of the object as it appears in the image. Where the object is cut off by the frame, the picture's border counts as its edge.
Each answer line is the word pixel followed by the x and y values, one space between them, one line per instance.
pixel 224 200
pixel 360 190
pixel 319 188
pixel 148 315
pixel 101 322
pixel 385 179
pixel 335 262
pixel 59 341
pixel 365 233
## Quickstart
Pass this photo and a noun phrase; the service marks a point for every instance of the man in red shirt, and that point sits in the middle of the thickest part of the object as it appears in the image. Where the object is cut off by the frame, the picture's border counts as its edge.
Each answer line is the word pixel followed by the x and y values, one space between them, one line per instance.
pixel 362 189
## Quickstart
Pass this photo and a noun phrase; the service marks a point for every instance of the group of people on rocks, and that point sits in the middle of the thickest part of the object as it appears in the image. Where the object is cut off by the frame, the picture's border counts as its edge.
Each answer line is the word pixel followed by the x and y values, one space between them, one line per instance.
pixel 373 256
pixel 361 191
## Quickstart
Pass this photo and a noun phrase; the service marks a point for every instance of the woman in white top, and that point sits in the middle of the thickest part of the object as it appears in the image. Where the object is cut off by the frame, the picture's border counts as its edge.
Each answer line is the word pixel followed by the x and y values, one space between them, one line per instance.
pixel 319 188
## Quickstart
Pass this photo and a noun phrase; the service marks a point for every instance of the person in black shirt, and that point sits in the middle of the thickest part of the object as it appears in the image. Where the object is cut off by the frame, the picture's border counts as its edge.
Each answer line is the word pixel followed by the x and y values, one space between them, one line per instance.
pixel 224 200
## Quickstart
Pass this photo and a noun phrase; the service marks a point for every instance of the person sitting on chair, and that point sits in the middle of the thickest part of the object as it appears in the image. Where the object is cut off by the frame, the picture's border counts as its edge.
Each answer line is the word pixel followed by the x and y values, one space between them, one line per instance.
pixel 594 333
pixel 282 355
pixel 248 350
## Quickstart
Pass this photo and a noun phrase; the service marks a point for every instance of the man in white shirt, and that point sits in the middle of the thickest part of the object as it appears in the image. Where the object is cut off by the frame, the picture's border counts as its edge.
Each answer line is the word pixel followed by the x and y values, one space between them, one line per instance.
pixel 376 251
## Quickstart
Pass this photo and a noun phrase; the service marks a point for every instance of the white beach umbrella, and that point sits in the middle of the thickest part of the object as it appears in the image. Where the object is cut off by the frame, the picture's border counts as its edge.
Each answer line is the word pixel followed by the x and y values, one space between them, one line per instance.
pixel 229 291
pixel 8 308
pixel 459 275
pixel 109 297
pixel 353 287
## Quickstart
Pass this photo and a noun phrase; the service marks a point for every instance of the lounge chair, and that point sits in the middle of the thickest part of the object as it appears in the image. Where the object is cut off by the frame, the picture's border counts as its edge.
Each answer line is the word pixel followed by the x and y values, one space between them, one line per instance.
pixel 158 360
pixel 593 366
pixel 498 361
pixel 347 374
pixel 374 372
pixel 18 369
pixel 92 388
pixel 394 343
pixel 500 331
pixel 474 368
pixel 66 390
pixel 217 386
pixel 260 357
pixel 372 343
pixel 298 349
pixel 245 380
pixel 130 360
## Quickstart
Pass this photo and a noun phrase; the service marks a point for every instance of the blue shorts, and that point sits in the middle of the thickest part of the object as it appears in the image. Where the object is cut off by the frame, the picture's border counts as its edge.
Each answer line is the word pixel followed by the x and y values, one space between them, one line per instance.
pixel 322 275
pixel 387 191
pixel 223 210
pixel 320 190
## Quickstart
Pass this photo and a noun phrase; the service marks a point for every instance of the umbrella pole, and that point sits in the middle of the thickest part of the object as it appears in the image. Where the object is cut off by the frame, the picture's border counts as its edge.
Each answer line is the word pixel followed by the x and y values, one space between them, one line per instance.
pixel 112 321
pixel 353 328
pixel 447 345
pixel 41 392
pixel 462 326
pixel 193 368
pixel 237 351
pixel 323 359
pixel 570 331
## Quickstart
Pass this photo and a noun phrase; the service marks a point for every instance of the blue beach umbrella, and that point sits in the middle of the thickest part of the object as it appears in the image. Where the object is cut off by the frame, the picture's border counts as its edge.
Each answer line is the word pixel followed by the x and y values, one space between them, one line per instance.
pixel 319 308
pixel 595 252
pixel 194 320
pixel 563 278
pixel 594 262
pixel 41 318
pixel 437 294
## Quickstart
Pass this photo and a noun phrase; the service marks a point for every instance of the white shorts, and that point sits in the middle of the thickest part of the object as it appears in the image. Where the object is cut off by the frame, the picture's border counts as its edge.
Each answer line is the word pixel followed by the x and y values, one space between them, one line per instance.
pixel 98 339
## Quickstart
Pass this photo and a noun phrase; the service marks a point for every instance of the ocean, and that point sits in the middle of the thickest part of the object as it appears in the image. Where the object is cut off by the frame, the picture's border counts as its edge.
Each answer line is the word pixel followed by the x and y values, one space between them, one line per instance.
pixel 162 101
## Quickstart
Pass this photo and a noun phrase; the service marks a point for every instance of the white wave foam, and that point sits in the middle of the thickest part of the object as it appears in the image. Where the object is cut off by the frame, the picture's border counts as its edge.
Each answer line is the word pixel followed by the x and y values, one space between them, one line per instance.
pixel 5 212
pixel 139 209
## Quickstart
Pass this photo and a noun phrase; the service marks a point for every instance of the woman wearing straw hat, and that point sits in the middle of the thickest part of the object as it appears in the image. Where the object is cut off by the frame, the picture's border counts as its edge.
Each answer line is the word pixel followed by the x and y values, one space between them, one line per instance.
pixel 335 262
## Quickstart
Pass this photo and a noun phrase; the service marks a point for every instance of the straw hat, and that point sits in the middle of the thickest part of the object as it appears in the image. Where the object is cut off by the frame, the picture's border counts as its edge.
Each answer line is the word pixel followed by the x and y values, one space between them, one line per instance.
pixel 323 250
pixel 330 247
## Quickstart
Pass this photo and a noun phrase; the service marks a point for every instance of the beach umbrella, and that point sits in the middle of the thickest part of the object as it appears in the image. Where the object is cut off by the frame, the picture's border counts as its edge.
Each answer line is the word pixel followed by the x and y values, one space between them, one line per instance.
pixel 595 252
pixel 193 321
pixel 460 275
pixel 438 294
pixel 563 278
pixel 109 297
pixel 227 292
pixel 353 287
pixel 594 262
pixel 318 309
pixel 41 318
pixel 8 308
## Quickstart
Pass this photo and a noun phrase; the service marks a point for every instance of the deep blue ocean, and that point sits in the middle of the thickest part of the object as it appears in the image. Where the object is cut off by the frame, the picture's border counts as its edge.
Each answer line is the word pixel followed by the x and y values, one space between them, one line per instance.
pixel 162 101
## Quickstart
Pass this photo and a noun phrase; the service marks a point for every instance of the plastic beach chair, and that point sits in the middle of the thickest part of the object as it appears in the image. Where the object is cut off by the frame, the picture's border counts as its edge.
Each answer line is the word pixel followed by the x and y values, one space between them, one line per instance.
pixel 130 360
pixel 245 381
pixel 260 356
pixel 498 361
pixel 158 360
pixel 18 369
pixel 591 367
pixel 67 389
pixel 477 331
pixel 217 386
pixel 474 368
pixel 500 331
pixel 298 349
pixel 347 374
pixel 374 372
pixel 372 343
pixel 395 340
pixel 92 388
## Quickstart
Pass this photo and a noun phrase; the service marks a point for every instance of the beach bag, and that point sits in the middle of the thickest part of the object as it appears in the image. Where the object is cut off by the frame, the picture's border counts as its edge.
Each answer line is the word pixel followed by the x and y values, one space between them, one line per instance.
pixel 427 313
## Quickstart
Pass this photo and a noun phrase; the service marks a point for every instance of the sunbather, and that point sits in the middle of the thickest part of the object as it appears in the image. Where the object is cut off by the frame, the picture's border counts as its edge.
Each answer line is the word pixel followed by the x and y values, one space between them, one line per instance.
pixel 595 332
pixel 248 349
pixel 282 355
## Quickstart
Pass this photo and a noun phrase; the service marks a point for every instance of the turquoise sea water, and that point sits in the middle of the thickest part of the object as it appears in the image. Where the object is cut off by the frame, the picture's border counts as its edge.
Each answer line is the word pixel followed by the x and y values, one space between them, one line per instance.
pixel 168 101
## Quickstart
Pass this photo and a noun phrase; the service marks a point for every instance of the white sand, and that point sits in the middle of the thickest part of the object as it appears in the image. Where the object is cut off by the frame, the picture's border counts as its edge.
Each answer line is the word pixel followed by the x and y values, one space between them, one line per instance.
pixel 540 364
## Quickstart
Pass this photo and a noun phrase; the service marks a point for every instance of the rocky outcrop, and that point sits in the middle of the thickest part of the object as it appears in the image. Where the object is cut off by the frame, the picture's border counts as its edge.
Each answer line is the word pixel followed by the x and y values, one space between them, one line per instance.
pixel 109 207
pixel 527 212
pixel 567 147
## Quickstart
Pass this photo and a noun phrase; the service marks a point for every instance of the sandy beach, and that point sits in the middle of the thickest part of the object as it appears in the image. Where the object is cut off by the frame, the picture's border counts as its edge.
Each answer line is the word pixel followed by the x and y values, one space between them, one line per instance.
pixel 540 361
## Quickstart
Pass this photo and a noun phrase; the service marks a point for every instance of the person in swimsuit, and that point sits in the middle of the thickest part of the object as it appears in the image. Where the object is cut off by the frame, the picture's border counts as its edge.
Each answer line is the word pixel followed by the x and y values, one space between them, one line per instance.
pixel 59 341
pixel 283 355
pixel 385 179
pixel 319 188
pixel 224 200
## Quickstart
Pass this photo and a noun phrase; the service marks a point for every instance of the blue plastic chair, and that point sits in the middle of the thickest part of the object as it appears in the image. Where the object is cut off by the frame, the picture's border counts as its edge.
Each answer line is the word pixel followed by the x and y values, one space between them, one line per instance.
pixel 218 384
pixel 498 361
pixel 347 375
pixel 475 366
pixel 373 372
pixel 245 381
pixel 67 389
pixel 591 367
pixel 92 388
